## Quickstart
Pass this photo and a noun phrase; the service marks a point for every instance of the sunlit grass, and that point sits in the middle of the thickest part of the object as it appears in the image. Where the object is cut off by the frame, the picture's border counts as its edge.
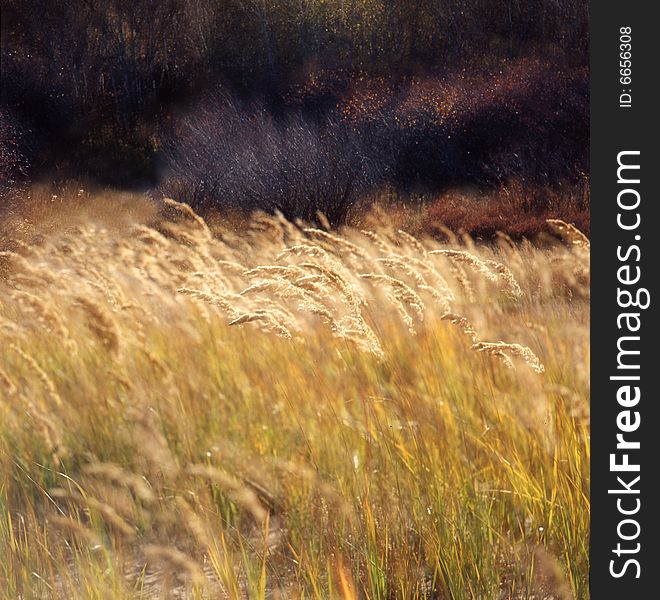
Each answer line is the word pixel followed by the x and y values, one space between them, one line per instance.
pixel 196 459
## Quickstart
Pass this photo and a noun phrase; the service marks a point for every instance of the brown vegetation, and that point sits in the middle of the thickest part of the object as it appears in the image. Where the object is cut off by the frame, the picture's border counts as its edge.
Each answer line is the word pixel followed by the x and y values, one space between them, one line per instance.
pixel 294 107
pixel 194 411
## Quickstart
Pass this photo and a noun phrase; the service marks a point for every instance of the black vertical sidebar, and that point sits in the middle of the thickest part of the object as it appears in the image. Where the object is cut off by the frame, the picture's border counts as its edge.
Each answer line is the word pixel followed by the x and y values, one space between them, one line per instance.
pixel 625 260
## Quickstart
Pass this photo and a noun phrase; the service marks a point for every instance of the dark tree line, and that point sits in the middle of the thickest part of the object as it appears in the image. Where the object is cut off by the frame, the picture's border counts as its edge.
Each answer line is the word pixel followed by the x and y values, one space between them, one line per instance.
pixel 95 88
pixel 531 126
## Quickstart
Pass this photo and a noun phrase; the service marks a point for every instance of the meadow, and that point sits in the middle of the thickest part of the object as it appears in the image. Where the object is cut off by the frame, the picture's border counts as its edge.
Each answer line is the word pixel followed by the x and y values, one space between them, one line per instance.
pixel 265 409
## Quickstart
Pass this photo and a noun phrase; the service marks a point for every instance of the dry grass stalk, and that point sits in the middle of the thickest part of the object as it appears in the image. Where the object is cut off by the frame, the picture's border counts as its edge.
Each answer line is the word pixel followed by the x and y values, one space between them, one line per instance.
pixel 121 477
pixel 382 246
pixel 7 383
pixel 178 561
pixel 507 277
pixel 303 250
pixel 41 375
pixel 413 242
pixel 323 220
pixel 462 322
pixel 340 243
pixel 101 323
pixel 503 350
pixel 77 529
pixel 152 444
pixel 267 318
pixel 549 577
pixel 188 213
pixel 340 284
pixel 405 264
pixel 460 256
pixel 569 233
pixel 238 491
pixel 463 281
pixel 211 299
pixel 287 272
pixel 106 511
pixel 13 265
pixel 44 314
pixel 400 291
pixel 439 280
pixel 50 431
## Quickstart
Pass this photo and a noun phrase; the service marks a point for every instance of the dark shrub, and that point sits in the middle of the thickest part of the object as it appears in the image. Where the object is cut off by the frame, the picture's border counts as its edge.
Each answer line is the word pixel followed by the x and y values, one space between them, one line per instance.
pixel 223 155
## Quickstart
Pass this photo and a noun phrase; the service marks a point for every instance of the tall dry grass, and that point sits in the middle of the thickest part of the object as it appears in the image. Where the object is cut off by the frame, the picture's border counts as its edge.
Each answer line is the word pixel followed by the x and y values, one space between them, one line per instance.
pixel 285 412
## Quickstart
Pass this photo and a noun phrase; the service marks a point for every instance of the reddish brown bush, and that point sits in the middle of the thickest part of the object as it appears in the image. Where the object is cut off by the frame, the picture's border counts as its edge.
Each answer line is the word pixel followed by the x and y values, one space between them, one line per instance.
pixel 516 210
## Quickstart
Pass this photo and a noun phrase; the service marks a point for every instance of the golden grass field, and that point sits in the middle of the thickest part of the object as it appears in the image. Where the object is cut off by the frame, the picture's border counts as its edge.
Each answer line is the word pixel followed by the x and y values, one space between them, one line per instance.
pixel 269 411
